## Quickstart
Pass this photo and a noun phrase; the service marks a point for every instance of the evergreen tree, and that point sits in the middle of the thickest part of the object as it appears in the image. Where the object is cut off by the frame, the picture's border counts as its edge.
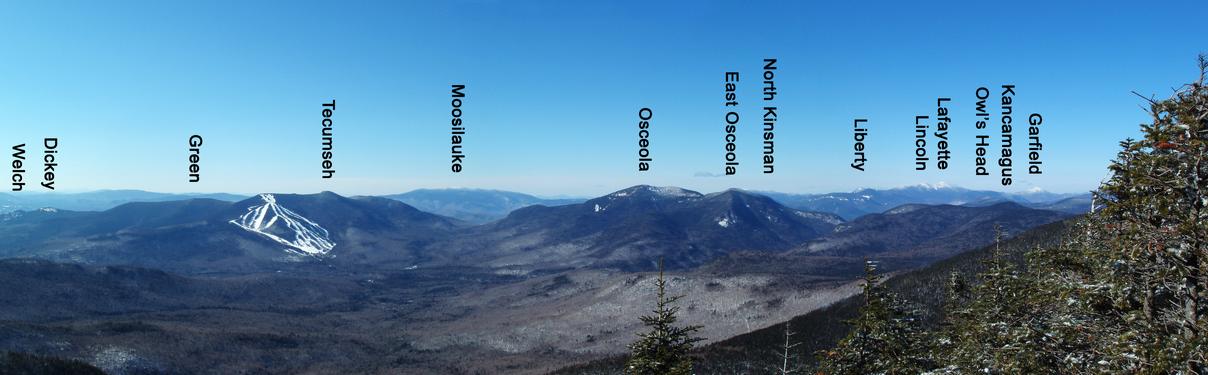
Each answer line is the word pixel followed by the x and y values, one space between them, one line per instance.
pixel 1126 292
pixel 1002 326
pixel 1156 206
pixel 885 338
pixel 664 349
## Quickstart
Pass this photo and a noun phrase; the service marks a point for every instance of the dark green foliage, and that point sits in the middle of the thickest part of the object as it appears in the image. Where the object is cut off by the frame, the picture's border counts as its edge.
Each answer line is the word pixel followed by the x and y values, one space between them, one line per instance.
pixel 28 364
pixel 1156 239
pixel 1126 292
pixel 886 338
pixel 997 326
pixel 1135 272
pixel 665 348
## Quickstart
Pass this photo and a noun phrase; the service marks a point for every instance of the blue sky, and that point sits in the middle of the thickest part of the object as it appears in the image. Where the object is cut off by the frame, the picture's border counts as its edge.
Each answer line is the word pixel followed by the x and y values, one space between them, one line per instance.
pixel 554 88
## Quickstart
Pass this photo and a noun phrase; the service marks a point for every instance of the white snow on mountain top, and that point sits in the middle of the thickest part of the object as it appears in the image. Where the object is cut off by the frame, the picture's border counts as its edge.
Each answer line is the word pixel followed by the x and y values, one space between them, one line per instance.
pixel 285 227
pixel 926 186
pixel 673 192
pixel 659 191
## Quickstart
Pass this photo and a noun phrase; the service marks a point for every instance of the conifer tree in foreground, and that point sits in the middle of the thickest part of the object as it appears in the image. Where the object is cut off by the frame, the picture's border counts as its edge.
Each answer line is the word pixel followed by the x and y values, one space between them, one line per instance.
pixel 664 349
pixel 1126 291
pixel 1003 326
pixel 884 339
pixel 1154 235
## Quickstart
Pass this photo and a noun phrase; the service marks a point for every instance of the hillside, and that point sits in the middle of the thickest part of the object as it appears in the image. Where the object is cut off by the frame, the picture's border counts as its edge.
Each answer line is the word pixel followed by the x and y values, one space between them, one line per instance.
pixel 822 328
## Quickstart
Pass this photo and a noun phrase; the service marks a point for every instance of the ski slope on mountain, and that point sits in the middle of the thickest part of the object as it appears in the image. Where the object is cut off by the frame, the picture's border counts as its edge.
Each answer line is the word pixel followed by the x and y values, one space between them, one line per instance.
pixel 286 227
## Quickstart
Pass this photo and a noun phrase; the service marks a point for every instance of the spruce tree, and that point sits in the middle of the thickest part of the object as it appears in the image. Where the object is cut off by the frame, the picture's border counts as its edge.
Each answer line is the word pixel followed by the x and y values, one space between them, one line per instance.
pixel 1001 327
pixel 885 338
pixel 1155 214
pixel 664 348
pixel 1068 296
pixel 1125 293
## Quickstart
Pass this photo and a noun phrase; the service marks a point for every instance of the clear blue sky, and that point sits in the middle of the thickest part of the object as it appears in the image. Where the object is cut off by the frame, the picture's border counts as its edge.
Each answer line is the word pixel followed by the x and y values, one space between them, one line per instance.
pixel 554 88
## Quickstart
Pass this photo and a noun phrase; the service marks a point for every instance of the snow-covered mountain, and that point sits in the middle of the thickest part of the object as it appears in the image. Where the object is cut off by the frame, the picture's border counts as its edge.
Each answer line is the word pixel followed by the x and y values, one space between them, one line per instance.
pixel 286 227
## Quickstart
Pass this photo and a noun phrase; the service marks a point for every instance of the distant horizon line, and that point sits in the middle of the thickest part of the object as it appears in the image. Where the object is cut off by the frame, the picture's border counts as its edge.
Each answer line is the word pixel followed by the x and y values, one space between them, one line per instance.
pixel 936 186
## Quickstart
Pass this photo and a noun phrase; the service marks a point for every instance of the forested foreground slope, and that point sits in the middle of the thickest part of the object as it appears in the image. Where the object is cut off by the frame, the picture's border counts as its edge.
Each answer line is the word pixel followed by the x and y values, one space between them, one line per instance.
pixel 761 350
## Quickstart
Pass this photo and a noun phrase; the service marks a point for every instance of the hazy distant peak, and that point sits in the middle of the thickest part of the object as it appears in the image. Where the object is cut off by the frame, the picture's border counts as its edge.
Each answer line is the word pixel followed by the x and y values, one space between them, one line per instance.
pixel 465 190
pixel 1033 190
pixel 931 187
pixel 473 205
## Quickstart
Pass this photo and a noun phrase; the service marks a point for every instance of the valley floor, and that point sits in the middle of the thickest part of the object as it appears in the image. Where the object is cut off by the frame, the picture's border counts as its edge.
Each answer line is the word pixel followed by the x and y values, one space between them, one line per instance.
pixel 440 321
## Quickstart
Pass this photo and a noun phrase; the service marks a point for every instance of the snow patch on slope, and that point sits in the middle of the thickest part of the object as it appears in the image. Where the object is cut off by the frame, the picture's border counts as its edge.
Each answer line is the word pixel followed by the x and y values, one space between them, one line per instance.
pixel 904 209
pixel 727 220
pixel 673 192
pixel 285 227
pixel 829 219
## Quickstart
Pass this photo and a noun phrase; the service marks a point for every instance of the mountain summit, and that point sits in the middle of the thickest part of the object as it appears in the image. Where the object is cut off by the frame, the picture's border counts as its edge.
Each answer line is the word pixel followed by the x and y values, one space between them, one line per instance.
pixel 633 227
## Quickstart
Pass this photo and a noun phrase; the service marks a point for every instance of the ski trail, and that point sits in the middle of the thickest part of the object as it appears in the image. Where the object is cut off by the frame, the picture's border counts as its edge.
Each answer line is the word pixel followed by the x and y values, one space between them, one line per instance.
pixel 297 232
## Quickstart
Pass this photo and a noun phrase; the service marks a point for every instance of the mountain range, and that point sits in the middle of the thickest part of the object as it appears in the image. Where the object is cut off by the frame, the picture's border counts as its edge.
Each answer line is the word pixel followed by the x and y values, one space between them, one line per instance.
pixel 867 201
pixel 632 228
pixel 264 232
pixel 629 230
pixel 928 231
pixel 477 206
pixel 397 288
pixel 96 200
